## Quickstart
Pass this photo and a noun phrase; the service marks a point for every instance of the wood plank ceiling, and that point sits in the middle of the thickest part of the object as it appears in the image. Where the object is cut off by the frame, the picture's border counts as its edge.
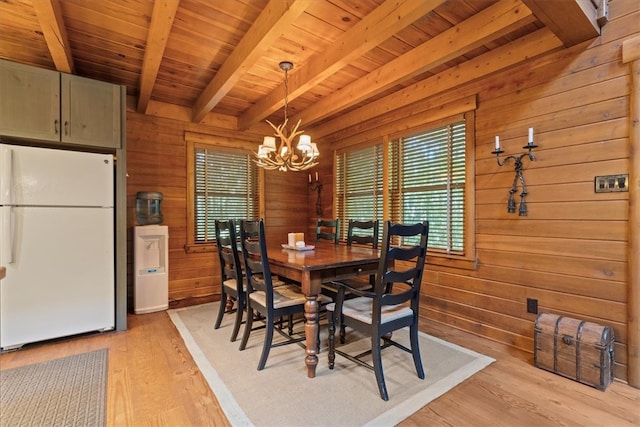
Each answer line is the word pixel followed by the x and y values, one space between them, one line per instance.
pixel 220 58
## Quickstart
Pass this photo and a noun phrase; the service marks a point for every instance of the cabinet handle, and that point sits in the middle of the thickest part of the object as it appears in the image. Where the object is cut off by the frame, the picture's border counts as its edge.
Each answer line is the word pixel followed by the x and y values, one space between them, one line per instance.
pixel 55 126
pixel 66 127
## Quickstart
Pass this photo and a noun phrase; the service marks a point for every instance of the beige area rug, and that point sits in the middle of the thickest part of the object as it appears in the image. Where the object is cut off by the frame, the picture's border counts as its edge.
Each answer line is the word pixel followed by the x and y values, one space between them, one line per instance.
pixel 70 391
pixel 282 395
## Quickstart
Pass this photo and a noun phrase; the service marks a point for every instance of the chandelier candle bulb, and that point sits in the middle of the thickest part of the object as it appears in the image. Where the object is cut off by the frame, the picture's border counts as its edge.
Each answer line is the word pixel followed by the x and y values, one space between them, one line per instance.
pixel 269 142
pixel 304 143
pixel 316 176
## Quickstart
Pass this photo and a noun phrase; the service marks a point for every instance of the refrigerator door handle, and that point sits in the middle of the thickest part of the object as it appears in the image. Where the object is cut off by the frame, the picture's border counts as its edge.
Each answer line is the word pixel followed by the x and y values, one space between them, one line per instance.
pixel 6 173
pixel 6 228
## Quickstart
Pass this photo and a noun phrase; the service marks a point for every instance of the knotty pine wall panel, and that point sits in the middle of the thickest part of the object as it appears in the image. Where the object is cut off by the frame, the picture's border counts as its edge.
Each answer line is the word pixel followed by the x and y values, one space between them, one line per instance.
pixel 570 252
pixel 287 198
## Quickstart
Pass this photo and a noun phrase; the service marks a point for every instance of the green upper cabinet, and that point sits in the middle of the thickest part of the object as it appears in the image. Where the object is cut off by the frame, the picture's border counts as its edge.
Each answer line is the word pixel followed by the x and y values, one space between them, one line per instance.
pixel 90 112
pixel 29 102
pixel 48 105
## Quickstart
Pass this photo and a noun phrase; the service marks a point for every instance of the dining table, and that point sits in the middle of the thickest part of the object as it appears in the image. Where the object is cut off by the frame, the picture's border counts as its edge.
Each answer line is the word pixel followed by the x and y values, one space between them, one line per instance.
pixel 316 264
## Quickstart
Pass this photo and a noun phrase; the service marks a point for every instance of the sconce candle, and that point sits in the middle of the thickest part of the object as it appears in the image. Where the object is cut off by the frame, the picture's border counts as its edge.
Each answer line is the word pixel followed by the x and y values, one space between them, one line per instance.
pixel 316 176
pixel 530 136
pixel 497 143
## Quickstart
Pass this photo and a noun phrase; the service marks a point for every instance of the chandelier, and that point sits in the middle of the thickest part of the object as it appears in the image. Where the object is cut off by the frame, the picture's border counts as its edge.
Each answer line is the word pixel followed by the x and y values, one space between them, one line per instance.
pixel 285 157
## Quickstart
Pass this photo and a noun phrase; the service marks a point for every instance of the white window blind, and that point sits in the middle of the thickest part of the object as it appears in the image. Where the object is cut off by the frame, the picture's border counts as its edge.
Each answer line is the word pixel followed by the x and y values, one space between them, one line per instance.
pixel 226 187
pixel 428 182
pixel 359 185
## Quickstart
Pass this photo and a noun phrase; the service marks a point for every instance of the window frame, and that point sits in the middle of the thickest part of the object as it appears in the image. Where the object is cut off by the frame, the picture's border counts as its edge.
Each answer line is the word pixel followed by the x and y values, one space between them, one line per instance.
pixel 219 144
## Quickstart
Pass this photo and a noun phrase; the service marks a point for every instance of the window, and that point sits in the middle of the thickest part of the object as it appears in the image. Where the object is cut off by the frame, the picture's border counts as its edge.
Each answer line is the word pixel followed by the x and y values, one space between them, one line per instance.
pixel 426 176
pixel 225 185
pixel 428 182
pixel 359 185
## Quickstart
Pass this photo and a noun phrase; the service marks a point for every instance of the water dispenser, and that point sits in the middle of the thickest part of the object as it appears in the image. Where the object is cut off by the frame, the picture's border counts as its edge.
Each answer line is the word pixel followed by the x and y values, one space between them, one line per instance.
pixel 151 268
pixel 148 207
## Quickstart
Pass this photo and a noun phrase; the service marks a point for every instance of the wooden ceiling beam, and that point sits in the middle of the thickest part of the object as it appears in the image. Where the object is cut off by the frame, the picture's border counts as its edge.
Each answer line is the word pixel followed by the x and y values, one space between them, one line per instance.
pixel 503 57
pixel 483 27
pixel 49 15
pixel 381 24
pixel 272 22
pixel 572 21
pixel 164 12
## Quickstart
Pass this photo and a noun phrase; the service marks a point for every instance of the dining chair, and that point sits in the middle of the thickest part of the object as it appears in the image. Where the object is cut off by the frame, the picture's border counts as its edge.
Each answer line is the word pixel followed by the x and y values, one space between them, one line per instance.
pixel 328 229
pixel 272 302
pixel 392 305
pixel 233 284
pixel 363 233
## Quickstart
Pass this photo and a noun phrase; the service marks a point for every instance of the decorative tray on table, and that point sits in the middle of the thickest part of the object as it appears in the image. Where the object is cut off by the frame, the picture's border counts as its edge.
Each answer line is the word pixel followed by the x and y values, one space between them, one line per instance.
pixel 295 248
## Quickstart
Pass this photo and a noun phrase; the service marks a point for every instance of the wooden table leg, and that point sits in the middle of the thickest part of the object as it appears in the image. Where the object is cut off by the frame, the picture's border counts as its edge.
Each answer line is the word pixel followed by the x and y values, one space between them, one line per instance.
pixel 311 328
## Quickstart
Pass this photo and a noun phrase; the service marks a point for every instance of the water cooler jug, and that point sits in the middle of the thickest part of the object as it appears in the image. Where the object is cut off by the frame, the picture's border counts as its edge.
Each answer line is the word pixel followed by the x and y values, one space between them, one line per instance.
pixel 148 207
pixel 151 268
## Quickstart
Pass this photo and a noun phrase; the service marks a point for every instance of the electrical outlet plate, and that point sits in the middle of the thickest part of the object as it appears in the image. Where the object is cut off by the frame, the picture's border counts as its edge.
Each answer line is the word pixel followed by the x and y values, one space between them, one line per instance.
pixel 611 183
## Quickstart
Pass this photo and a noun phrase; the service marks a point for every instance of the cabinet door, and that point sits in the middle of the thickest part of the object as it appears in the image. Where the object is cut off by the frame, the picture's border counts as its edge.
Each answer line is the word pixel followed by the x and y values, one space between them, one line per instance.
pixel 29 102
pixel 90 112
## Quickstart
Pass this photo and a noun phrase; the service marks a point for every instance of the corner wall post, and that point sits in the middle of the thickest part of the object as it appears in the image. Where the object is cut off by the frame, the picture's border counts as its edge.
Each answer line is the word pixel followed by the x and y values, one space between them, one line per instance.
pixel 631 55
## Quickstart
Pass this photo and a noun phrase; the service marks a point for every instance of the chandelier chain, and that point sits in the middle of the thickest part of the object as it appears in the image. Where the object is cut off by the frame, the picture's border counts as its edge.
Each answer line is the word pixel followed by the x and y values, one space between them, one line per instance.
pixel 286 92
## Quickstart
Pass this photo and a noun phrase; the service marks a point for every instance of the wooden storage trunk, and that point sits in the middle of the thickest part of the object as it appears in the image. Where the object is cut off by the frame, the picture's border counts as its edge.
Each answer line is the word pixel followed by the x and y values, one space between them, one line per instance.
pixel 576 349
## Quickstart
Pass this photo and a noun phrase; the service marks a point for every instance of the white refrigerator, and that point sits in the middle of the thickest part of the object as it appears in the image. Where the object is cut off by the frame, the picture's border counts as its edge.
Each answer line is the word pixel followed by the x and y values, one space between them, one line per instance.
pixel 56 242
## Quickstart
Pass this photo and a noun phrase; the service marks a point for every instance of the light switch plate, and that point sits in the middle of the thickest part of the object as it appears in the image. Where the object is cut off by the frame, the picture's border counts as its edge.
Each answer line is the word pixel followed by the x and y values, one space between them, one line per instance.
pixel 611 183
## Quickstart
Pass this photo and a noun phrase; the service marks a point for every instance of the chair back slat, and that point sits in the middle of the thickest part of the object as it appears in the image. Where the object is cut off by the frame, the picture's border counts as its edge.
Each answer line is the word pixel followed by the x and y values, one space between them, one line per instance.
pixel 403 253
pixel 396 298
pixel 363 232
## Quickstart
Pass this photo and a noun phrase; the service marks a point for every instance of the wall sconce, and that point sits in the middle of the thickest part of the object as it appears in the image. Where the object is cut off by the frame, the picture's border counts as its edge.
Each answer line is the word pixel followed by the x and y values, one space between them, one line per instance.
pixel 317 187
pixel 511 204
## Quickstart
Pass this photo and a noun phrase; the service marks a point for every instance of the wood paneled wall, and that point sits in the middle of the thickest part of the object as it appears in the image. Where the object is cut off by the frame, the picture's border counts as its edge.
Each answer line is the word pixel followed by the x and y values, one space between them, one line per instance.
pixel 569 253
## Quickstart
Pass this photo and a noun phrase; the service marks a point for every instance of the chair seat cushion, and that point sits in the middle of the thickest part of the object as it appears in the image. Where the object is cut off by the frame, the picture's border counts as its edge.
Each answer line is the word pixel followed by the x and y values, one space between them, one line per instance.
pixel 360 309
pixel 277 283
pixel 285 296
pixel 275 280
pixel 232 284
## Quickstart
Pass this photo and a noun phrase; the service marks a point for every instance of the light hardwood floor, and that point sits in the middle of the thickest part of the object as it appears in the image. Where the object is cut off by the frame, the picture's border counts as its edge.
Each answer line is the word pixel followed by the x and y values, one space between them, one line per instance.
pixel 153 380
